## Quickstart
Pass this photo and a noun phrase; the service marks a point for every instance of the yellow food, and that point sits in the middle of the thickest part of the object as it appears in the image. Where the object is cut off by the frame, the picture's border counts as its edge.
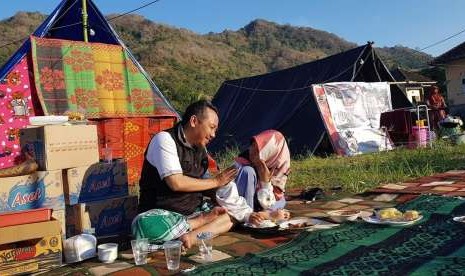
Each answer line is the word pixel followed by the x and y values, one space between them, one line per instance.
pixel 75 116
pixel 394 214
pixel 390 214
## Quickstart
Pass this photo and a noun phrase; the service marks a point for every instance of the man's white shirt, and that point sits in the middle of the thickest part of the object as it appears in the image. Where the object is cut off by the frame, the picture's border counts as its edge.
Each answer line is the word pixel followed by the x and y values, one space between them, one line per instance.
pixel 163 155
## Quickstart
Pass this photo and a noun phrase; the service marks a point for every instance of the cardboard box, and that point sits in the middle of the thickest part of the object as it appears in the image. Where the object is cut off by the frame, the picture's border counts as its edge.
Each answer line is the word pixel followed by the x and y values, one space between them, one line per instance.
pixel 61 146
pixel 41 189
pixel 96 182
pixel 60 216
pixel 30 248
pixel 25 216
pixel 107 217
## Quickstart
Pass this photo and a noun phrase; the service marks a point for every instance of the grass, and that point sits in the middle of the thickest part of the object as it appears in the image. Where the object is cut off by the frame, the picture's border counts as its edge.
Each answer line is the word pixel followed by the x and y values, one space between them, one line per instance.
pixel 363 172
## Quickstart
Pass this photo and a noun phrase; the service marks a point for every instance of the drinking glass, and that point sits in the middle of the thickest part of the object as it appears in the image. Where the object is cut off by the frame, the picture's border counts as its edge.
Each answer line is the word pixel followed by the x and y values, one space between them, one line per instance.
pixel 172 254
pixel 140 249
pixel 205 245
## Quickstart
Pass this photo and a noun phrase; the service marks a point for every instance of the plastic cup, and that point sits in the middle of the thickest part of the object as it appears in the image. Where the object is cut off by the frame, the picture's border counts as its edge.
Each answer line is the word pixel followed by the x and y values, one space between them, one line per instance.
pixel 205 245
pixel 140 249
pixel 172 254
pixel 107 252
pixel 107 155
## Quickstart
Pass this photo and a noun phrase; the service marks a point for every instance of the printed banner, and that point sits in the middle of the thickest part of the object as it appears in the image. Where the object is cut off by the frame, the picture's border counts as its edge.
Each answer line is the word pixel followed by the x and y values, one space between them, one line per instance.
pixel 351 112
pixel 15 109
pixel 97 79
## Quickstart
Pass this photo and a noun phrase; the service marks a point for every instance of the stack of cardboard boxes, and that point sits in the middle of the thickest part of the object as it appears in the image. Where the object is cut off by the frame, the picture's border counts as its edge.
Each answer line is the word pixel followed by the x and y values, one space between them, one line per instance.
pixel 86 196
pixel 97 199
pixel 57 148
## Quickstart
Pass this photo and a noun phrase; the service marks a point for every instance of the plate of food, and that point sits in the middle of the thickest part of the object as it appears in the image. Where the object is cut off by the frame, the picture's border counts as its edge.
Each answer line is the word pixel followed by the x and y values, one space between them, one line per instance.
pixel 267 226
pixel 392 216
pixel 301 223
pixel 340 216
pixel 297 223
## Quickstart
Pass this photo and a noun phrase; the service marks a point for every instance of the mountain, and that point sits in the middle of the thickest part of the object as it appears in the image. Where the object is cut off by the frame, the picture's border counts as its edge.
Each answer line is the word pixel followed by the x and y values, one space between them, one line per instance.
pixel 187 66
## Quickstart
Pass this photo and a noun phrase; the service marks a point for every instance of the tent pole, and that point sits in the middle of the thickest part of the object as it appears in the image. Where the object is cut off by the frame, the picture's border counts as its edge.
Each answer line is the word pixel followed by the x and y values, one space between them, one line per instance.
pixel 374 63
pixel 84 20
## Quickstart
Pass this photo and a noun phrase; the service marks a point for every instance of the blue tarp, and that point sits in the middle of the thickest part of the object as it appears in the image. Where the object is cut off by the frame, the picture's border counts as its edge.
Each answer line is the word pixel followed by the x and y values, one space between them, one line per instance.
pixel 283 100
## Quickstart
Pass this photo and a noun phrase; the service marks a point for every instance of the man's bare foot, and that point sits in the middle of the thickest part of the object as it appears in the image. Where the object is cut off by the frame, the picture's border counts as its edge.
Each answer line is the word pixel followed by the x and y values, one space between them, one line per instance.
pixel 205 218
pixel 214 213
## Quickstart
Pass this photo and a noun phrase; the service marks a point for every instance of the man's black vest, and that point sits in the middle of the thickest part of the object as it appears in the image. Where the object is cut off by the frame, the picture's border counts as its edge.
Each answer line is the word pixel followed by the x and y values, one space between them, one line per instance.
pixel 155 192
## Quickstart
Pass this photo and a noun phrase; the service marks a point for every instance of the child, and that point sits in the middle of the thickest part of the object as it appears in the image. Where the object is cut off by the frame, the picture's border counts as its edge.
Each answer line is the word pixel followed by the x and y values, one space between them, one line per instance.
pixel 237 207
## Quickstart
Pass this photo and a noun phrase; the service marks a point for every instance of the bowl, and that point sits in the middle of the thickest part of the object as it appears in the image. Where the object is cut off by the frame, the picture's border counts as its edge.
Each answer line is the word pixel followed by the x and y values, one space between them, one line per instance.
pixel 343 215
pixel 459 219
pixel 107 252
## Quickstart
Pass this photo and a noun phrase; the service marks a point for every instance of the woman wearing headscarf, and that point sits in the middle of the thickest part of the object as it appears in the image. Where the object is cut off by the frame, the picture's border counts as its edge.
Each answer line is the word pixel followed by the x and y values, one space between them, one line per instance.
pixel 263 170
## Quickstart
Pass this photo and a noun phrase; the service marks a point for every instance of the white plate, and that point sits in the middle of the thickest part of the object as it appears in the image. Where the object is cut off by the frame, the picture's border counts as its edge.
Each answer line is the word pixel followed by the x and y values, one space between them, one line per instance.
pixel 375 220
pixel 47 120
pixel 270 225
pixel 459 219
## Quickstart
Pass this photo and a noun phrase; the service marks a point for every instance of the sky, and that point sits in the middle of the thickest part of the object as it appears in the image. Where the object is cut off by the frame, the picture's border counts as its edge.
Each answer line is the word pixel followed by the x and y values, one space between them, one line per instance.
pixel 412 23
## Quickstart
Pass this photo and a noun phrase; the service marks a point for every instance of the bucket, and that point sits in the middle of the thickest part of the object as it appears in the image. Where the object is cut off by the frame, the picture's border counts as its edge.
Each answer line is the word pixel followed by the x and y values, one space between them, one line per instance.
pixel 420 136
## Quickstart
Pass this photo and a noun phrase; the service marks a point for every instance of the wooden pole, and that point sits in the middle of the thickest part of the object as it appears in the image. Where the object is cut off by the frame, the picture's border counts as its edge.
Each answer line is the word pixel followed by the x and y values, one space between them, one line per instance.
pixel 84 20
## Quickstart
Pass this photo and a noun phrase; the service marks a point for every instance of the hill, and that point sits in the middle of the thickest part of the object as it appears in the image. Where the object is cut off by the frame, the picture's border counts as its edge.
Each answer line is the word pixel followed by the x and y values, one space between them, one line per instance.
pixel 187 66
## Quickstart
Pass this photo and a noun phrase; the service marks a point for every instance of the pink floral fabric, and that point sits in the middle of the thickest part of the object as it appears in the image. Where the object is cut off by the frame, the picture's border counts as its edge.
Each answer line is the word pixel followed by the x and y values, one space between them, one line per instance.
pixel 15 109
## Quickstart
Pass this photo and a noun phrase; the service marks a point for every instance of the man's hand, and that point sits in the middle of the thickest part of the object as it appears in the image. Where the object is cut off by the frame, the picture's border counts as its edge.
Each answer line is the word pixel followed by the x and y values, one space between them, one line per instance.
pixel 226 176
pixel 257 217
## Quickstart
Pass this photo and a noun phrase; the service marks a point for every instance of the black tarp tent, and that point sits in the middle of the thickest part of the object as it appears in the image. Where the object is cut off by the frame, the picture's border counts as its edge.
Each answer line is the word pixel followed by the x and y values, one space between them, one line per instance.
pixel 283 100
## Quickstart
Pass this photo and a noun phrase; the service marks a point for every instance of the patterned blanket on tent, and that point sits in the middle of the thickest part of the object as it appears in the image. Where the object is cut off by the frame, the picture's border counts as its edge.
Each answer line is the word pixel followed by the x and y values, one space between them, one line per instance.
pixel 435 245
pixel 98 79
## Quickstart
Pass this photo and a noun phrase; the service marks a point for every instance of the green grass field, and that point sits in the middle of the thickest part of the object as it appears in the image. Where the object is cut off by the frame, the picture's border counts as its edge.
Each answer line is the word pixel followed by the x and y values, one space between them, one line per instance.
pixel 363 172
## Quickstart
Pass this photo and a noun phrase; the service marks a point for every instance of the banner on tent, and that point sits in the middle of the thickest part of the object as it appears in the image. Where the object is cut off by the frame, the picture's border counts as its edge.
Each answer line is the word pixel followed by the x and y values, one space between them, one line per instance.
pixel 97 79
pixel 351 113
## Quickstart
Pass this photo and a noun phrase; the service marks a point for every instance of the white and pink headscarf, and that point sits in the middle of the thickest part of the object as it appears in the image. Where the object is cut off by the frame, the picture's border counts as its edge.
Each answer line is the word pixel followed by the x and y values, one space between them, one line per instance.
pixel 272 148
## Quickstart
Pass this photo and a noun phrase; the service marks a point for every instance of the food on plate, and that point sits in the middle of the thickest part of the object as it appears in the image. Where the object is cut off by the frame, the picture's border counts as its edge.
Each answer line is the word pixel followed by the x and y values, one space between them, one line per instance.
pixel 396 215
pixel 340 216
pixel 267 223
pixel 411 215
pixel 389 214
pixel 75 116
pixel 348 212
pixel 299 225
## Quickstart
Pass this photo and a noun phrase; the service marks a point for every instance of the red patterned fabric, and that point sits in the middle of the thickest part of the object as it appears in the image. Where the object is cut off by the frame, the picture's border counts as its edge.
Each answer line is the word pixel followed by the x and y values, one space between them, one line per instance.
pixel 128 139
pixel 15 109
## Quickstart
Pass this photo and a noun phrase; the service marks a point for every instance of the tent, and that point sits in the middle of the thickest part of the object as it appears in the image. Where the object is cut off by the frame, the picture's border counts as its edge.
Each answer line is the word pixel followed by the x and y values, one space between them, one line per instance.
pixel 283 100
pixel 65 22
pixel 20 90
